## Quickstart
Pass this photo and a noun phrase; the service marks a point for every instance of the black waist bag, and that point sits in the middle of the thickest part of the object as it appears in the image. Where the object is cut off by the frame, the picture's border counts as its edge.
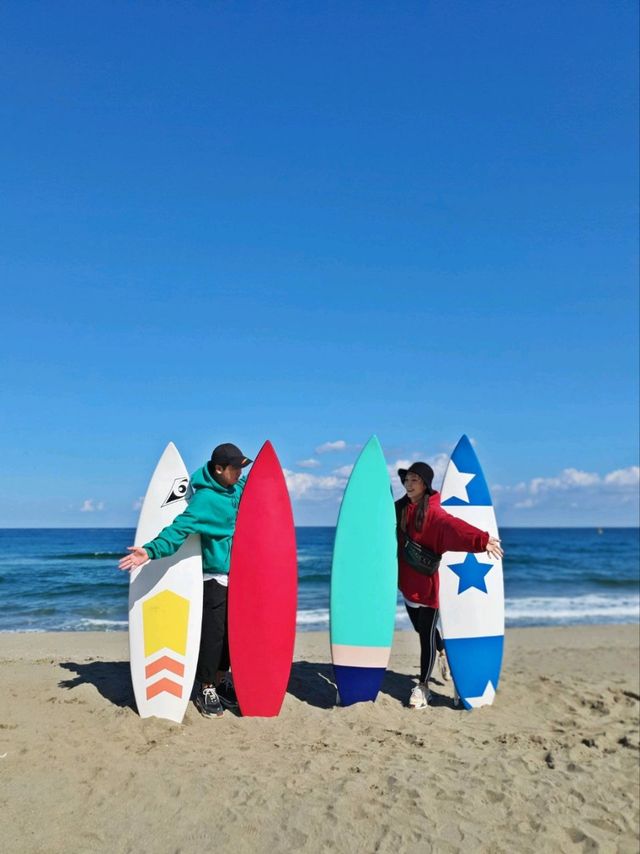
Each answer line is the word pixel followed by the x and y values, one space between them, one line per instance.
pixel 420 558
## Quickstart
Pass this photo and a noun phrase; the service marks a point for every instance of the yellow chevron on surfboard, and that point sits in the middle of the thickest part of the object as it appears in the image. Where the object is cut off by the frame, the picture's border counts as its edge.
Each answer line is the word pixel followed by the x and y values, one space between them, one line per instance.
pixel 165 619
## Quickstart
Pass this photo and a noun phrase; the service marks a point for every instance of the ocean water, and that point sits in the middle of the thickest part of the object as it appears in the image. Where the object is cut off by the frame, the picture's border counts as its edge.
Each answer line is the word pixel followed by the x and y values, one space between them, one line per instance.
pixel 68 580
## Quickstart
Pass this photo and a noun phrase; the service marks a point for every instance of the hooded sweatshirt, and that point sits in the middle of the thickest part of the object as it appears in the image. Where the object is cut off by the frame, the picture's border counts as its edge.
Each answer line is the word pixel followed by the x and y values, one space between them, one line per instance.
pixel 212 513
pixel 441 532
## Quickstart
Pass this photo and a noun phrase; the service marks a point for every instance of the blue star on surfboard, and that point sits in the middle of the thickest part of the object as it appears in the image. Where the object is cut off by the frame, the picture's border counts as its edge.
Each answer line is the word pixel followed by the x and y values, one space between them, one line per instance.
pixel 471 573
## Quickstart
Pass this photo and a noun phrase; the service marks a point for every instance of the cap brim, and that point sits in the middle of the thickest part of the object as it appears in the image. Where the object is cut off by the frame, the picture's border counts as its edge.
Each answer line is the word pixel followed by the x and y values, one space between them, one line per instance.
pixel 402 473
pixel 243 462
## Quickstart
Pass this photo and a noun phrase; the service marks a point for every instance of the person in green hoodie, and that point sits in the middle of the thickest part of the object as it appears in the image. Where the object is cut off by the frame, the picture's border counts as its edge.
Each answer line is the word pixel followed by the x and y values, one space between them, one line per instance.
pixel 211 512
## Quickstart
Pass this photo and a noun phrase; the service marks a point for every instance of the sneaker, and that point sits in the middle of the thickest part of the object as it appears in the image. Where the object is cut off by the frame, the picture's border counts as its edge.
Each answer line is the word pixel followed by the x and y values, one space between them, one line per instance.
pixel 420 697
pixel 208 703
pixel 443 666
pixel 227 693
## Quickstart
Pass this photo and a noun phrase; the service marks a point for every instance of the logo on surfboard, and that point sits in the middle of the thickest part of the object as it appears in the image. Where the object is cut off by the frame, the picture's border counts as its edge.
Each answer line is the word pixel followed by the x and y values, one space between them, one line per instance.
pixel 178 490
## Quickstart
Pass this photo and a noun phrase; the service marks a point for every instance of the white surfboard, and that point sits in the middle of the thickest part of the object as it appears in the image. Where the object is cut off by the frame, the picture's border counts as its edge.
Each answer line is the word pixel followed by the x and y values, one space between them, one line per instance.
pixel 471 586
pixel 165 601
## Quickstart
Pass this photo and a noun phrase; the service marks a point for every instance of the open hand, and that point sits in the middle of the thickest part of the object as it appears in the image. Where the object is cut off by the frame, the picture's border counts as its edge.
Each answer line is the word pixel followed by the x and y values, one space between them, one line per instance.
pixel 494 549
pixel 131 561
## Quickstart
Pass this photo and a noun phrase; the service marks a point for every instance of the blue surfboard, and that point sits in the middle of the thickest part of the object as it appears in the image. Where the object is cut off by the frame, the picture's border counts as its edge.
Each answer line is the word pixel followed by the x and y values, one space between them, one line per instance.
pixel 471 586
pixel 364 579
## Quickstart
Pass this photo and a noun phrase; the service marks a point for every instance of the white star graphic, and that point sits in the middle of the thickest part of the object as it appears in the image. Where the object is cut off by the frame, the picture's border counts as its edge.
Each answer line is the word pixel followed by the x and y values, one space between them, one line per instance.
pixel 455 484
pixel 485 699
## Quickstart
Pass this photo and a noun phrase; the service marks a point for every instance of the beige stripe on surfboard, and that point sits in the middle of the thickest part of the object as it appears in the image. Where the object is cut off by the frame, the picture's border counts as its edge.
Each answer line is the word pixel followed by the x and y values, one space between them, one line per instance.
pixel 360 656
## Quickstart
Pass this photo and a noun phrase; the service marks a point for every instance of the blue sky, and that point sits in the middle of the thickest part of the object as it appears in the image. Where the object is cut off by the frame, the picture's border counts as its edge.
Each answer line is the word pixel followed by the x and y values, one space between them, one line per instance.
pixel 311 222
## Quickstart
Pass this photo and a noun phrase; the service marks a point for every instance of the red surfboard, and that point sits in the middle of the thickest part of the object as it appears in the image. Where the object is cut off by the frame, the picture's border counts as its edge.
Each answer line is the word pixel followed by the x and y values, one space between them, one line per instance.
pixel 263 582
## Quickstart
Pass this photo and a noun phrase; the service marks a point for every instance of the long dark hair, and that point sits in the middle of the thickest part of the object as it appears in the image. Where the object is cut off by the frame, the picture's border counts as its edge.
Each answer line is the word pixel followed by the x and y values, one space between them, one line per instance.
pixel 421 512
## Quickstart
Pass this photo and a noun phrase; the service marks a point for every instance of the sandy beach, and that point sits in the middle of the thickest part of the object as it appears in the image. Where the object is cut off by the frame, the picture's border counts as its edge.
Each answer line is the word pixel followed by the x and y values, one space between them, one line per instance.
pixel 552 766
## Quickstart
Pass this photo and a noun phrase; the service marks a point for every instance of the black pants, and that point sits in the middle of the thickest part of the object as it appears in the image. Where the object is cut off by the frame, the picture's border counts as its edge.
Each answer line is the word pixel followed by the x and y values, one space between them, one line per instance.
pixel 424 622
pixel 214 641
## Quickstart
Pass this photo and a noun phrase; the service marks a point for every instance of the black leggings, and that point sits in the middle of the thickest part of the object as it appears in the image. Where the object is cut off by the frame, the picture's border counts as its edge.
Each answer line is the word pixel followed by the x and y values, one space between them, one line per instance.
pixel 424 621
pixel 214 641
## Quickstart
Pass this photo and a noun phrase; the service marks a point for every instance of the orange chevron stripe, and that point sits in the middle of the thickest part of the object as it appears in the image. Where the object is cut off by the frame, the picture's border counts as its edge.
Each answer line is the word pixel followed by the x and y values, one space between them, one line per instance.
pixel 164 663
pixel 164 685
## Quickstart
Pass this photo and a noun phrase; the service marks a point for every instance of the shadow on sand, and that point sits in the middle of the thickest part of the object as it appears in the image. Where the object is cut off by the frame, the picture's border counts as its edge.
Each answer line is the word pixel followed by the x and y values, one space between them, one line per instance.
pixel 111 678
pixel 399 686
pixel 313 683
pixel 310 682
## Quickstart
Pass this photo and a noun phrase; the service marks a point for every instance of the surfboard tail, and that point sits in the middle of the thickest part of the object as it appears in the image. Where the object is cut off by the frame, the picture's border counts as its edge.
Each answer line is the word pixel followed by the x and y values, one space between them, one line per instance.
pixel 359 671
pixel 357 684
pixel 475 667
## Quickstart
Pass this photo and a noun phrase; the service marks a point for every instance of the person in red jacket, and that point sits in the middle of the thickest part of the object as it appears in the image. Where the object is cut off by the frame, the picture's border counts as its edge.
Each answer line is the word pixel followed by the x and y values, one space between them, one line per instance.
pixel 421 518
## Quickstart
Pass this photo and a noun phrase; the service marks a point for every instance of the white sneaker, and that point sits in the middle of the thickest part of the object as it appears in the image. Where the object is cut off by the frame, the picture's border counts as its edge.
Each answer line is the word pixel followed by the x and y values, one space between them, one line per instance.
pixel 420 697
pixel 443 666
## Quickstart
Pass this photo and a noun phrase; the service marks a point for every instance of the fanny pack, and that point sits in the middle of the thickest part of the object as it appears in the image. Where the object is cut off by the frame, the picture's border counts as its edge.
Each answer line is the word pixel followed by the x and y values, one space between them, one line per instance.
pixel 420 558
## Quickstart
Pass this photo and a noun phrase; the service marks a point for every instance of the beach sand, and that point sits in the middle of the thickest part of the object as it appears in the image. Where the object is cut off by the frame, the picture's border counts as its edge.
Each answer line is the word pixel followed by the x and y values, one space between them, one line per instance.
pixel 552 766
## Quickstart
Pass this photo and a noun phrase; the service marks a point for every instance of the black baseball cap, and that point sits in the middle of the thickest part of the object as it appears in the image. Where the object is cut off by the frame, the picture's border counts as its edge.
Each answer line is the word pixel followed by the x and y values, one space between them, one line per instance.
pixel 423 470
pixel 229 455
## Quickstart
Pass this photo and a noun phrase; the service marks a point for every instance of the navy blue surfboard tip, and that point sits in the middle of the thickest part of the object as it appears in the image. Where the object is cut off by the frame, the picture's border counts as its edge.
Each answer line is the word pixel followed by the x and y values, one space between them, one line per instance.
pixel 358 684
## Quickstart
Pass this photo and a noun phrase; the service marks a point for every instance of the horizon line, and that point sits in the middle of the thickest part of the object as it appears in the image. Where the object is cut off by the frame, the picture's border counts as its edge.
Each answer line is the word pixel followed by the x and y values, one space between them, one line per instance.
pixel 502 527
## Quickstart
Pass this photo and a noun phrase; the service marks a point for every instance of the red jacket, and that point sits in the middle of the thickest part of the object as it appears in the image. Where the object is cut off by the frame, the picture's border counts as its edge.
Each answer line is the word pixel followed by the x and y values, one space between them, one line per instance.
pixel 441 532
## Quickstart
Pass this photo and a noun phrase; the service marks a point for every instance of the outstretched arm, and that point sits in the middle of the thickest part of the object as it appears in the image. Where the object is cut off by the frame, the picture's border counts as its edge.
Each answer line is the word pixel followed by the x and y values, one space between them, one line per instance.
pixel 166 543
pixel 458 535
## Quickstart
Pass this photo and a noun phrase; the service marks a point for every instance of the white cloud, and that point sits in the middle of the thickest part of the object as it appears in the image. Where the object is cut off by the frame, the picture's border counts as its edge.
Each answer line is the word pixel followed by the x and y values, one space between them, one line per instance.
pixel 572 496
pixel 137 504
pixel 392 468
pixel 576 479
pixel 526 504
pixel 439 465
pixel 90 505
pixel 399 464
pixel 568 479
pixel 543 500
pixel 308 464
pixel 328 447
pixel 588 493
pixel 343 471
pixel 624 477
pixel 312 487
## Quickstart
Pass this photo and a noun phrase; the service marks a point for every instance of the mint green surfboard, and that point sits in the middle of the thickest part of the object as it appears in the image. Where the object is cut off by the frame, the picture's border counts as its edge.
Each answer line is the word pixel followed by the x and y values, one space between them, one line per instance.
pixel 364 578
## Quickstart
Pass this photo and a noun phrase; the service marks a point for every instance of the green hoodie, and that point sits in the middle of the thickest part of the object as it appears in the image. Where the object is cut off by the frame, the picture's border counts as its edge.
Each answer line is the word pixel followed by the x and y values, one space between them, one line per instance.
pixel 211 513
